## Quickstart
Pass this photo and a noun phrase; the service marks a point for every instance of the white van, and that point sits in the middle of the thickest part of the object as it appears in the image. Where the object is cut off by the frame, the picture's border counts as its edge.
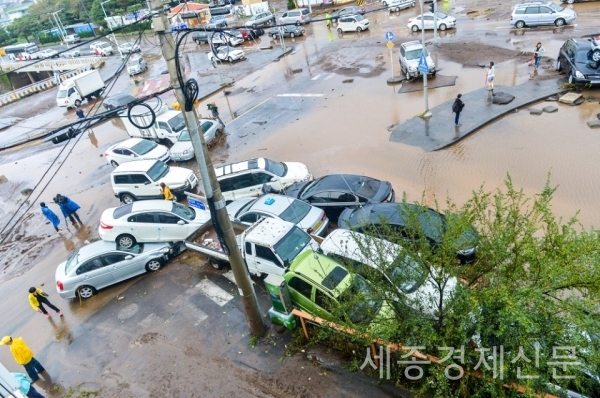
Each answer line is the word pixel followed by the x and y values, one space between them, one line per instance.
pixel 410 277
pixel 352 23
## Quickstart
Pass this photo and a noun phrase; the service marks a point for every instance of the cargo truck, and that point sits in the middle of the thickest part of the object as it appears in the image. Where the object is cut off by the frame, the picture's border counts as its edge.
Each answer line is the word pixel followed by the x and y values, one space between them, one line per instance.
pixel 74 90
pixel 165 130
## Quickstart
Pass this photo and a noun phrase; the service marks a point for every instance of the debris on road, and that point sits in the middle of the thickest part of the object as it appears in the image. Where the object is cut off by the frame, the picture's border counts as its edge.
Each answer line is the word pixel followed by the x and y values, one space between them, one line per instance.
pixel 570 98
pixel 550 109
pixel 535 111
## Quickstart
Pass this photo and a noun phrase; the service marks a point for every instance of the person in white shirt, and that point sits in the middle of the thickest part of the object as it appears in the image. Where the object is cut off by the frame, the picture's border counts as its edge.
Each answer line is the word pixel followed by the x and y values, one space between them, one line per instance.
pixel 491 73
pixel 537 53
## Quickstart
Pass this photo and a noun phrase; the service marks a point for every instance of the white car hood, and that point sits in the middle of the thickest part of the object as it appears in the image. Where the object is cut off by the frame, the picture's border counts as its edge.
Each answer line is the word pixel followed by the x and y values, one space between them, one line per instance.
pixel 182 146
pixel 176 177
pixel 297 172
pixel 156 153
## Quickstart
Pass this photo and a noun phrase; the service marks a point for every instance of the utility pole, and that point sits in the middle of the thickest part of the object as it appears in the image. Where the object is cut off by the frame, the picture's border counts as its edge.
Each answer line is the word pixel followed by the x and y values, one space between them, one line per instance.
pixel 435 35
pixel 207 172
pixel 427 114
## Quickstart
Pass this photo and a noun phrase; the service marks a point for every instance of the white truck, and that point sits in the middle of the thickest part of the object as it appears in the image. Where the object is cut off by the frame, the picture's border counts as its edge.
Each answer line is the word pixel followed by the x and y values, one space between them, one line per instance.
pixel 268 246
pixel 74 90
pixel 165 130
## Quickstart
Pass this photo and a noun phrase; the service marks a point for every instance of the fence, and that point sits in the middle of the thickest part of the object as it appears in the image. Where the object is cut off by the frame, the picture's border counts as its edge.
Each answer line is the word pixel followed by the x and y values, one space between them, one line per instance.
pixel 36 87
pixel 49 64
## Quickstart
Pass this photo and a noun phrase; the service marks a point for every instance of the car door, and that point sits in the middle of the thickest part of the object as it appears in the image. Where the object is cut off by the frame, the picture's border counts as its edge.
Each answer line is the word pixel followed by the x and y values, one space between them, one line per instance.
pixel 284 18
pixel 249 218
pixel 170 228
pixel 128 155
pixel 95 273
pixel 122 265
pixel 428 21
pixel 301 293
pixel 531 15
pixel 545 16
pixel 143 227
pixel 143 187
pixel 266 262
pixel 243 186
pixel 338 201
pixel 208 131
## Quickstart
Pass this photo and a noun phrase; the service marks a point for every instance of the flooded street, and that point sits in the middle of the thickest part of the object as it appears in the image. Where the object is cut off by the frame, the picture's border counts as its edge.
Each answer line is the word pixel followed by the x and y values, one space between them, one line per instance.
pixel 327 105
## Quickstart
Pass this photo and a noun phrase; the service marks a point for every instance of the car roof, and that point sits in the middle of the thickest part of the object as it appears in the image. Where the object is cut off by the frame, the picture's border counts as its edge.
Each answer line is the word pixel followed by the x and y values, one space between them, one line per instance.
pixel 232 168
pixel 136 165
pixel 156 204
pixel 269 230
pixel 318 267
pixel 129 143
pixel 275 204
pixel 94 249
pixel 415 43
pixel 337 181
pixel 120 96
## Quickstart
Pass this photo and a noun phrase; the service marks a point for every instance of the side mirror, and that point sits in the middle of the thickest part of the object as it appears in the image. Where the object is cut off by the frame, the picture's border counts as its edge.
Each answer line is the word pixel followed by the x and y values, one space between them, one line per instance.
pixel 273 179
pixel 148 183
pixel 129 257
pixel 180 222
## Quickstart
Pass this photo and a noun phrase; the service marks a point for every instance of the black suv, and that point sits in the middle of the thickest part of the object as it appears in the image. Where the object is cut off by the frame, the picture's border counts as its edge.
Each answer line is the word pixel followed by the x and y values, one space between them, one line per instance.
pixel 580 60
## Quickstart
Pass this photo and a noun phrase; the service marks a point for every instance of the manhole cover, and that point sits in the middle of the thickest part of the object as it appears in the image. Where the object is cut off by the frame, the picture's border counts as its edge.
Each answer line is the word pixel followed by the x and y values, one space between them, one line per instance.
pixel 128 311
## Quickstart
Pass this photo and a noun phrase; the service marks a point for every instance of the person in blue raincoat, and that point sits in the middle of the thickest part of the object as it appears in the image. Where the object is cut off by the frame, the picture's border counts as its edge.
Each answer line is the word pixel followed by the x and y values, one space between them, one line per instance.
pixel 51 216
pixel 25 386
pixel 68 208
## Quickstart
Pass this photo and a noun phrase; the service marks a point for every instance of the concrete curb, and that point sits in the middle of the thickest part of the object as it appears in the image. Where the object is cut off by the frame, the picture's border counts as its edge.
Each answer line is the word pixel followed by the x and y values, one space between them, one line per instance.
pixel 392 81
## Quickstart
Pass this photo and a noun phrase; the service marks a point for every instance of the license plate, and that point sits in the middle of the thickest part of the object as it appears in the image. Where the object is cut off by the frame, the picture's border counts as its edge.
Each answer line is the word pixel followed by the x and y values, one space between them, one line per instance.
pixel 317 226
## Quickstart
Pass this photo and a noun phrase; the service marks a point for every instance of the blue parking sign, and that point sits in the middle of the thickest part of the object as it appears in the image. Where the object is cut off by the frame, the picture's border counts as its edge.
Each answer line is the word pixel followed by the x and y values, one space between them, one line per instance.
pixel 197 203
pixel 389 35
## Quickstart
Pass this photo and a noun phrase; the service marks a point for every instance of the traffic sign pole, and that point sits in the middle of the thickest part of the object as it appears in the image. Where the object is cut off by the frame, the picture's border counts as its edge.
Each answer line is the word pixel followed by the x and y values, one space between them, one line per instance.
pixel 389 35
pixel 392 60
pixel 435 35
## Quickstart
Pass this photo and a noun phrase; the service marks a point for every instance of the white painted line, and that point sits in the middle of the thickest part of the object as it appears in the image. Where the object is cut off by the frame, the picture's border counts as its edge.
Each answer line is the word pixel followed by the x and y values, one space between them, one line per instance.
pixel 330 76
pixel 196 313
pixel 299 95
pixel 316 77
pixel 214 292
pixel 229 275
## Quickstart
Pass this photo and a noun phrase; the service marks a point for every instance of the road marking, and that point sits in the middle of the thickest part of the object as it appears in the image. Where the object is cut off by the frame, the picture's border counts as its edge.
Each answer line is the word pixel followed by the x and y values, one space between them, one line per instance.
pixel 196 313
pixel 299 95
pixel 316 77
pixel 330 76
pixel 214 292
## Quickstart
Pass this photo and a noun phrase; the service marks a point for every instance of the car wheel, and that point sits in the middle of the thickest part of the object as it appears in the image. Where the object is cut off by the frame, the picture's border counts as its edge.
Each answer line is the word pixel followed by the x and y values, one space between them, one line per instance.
pixel 254 25
pixel 198 42
pixel 559 22
pixel 229 59
pixel 126 241
pixel 570 1
pixel 415 28
pixel 443 27
pixel 397 9
pixel 292 35
pixel 571 78
pixel 385 3
pixel 153 265
pixel 298 23
pixel 77 103
pixel 216 264
pixel 596 55
pixel 85 292
pixel 127 198
pixel 520 24
pixel 114 164
pixel 558 66
pixel 340 31
pixel 358 30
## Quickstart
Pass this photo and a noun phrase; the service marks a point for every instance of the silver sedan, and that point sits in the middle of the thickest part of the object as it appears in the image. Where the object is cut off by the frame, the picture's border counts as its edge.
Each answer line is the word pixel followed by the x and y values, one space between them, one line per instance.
pixel 310 218
pixel 101 264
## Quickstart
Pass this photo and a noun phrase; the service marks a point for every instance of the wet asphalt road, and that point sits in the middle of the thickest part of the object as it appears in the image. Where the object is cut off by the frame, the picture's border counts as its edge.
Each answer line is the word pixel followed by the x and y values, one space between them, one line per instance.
pixel 166 334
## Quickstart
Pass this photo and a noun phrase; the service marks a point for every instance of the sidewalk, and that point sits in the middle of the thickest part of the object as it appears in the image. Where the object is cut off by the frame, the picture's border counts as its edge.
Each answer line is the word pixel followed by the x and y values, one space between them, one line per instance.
pixel 440 132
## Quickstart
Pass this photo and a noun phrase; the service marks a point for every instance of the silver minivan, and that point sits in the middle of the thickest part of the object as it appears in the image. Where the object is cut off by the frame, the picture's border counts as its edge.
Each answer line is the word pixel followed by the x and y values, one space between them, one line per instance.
pixel 298 17
pixel 541 13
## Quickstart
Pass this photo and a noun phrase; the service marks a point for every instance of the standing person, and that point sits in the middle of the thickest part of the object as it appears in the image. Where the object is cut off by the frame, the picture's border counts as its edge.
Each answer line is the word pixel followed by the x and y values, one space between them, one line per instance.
pixel 68 208
pixel 212 107
pixel 79 113
pixel 537 53
pixel 25 386
pixel 24 356
pixel 328 20
pixel 457 108
pixel 52 217
pixel 491 73
pixel 166 191
pixel 37 299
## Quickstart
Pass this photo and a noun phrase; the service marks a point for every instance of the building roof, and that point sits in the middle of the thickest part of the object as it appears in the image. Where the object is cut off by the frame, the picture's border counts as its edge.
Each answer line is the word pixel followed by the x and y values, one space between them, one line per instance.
pixel 186 7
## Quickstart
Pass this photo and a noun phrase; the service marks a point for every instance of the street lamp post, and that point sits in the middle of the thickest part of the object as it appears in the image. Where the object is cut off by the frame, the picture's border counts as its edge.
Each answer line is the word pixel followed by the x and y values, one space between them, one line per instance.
pixel 61 28
pixel 426 114
pixel 113 35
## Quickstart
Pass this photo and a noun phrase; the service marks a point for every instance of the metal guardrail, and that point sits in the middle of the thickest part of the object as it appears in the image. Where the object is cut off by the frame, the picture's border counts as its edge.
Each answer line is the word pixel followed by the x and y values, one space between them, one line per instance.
pixel 49 64
pixel 36 87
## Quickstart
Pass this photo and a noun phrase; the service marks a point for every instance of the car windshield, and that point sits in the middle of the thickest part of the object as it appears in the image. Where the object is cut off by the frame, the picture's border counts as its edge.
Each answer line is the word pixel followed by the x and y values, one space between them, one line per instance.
pixel 554 7
pixel 184 136
pixel 158 170
pixel 367 187
pixel 295 212
pixel 246 208
pixel 183 211
pixel 122 211
pixel 143 147
pixel 135 62
pixel 414 54
pixel 365 309
pixel 407 274
pixel 277 168
pixel 441 16
pixel 61 94
pixel 292 244
pixel 177 123
pixel 72 261
pixel 358 17
pixel 126 45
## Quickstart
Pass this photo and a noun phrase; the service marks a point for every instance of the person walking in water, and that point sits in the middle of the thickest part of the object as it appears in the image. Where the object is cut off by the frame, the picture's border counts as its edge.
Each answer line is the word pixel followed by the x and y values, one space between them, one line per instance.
pixel 68 208
pixel 37 299
pixel 491 73
pixel 79 113
pixel 537 54
pixel 52 217
pixel 457 108
pixel 328 20
pixel 24 356
pixel 166 191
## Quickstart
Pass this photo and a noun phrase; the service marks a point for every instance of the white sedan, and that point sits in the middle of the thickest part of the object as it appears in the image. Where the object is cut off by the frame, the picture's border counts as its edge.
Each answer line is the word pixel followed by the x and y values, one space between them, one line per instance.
pixel 150 221
pixel 70 54
pixel 129 48
pixel 443 22
pixel 135 149
pixel 49 53
pixel 226 53
pixel 183 149
pixel 249 210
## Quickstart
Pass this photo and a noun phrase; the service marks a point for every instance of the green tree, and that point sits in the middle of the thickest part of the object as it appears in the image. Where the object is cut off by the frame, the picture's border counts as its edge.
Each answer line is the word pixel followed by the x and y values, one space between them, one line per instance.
pixel 535 287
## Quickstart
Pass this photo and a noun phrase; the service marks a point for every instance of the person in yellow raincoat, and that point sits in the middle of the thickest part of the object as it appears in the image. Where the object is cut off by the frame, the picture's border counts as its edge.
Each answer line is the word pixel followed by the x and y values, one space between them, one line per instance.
pixel 328 20
pixel 37 299
pixel 24 356
pixel 166 191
